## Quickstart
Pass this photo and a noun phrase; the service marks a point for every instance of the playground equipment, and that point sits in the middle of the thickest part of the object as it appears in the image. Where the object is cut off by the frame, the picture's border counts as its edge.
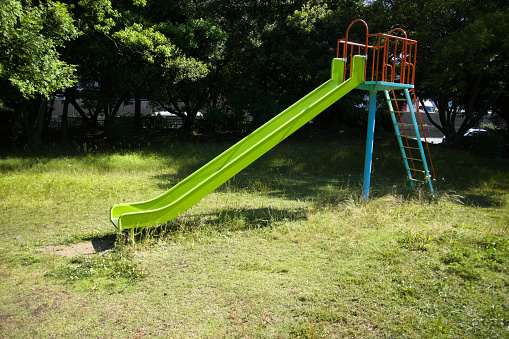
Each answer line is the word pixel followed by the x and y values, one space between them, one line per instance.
pixel 390 67
pixel 387 64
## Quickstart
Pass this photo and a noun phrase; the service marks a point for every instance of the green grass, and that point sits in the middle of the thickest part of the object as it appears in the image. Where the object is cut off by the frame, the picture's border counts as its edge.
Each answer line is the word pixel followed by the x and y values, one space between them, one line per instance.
pixel 286 249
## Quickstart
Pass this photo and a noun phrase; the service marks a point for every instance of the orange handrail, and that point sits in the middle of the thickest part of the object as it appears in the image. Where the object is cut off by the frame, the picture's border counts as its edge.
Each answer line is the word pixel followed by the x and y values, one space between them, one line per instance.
pixel 390 58
pixel 352 45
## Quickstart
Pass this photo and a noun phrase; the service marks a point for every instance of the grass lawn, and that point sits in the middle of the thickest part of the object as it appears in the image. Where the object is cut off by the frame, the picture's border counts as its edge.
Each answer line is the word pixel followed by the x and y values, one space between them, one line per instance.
pixel 286 249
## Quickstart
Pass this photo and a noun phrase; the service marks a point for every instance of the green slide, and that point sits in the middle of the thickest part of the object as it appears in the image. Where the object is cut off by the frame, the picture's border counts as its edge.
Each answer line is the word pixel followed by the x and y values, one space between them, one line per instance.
pixel 212 175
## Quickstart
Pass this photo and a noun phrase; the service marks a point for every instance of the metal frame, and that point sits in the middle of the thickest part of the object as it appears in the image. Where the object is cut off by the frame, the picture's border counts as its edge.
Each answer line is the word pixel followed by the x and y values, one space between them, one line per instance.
pixel 390 66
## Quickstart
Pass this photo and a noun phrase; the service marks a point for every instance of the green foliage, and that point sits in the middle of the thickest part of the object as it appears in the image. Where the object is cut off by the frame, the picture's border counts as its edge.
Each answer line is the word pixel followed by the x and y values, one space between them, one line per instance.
pixel 461 57
pixel 155 48
pixel 415 241
pixel 120 129
pixel 30 36
pixel 96 15
pixel 10 127
pixel 222 119
pixel 467 262
pixel 489 144
pixel 257 57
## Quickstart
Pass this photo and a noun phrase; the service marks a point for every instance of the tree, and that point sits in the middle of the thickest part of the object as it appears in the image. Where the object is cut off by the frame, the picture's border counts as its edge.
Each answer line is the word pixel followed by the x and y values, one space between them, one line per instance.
pixel 125 52
pixel 31 67
pixel 186 86
pixel 278 51
pixel 462 58
pixel 189 84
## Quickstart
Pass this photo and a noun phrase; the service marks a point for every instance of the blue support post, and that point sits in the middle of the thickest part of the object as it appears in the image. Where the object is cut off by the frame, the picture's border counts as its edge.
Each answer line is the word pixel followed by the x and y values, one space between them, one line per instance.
pixel 369 144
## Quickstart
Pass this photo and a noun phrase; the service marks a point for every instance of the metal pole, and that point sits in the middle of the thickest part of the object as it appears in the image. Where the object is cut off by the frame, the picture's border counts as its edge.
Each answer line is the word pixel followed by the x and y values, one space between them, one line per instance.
pixel 369 144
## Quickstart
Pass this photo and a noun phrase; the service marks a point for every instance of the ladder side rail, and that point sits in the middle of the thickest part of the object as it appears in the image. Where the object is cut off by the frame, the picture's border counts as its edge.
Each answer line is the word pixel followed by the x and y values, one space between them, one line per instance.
pixel 404 134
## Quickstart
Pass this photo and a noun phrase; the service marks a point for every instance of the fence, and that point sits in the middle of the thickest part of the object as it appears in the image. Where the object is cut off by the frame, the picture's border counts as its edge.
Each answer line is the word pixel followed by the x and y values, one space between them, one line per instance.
pixel 147 122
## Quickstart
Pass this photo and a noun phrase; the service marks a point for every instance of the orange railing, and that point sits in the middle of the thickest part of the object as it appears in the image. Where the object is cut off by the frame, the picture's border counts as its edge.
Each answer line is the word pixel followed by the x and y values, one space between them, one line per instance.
pixel 390 58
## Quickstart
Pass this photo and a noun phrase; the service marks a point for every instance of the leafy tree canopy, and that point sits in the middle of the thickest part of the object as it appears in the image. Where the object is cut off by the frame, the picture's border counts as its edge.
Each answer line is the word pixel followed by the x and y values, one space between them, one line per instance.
pixel 462 55
pixel 30 35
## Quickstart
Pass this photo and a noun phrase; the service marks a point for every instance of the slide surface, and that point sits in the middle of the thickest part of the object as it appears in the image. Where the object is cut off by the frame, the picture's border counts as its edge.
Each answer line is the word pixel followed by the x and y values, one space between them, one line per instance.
pixel 212 175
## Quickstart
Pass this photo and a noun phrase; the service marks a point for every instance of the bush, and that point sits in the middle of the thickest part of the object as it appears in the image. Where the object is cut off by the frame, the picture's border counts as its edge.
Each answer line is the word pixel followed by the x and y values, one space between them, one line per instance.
pixel 120 129
pixel 220 119
pixel 488 144
pixel 247 99
pixel 10 128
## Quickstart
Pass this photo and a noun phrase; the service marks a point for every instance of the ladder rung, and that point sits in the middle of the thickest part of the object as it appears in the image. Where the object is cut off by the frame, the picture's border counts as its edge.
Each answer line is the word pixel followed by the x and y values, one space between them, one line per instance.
pixel 416 159
pixel 417 180
pixel 400 111
pixel 398 99
pixel 403 124
pixel 416 170
pixel 408 147
pixel 407 137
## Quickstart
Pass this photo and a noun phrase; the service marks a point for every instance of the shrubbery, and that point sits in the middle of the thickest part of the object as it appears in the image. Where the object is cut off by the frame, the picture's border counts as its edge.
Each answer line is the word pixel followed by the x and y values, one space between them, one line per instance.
pixel 120 129
pixel 489 144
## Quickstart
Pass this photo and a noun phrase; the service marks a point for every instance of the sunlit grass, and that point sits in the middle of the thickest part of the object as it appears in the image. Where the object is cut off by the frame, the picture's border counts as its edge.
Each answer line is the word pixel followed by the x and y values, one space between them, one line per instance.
pixel 286 248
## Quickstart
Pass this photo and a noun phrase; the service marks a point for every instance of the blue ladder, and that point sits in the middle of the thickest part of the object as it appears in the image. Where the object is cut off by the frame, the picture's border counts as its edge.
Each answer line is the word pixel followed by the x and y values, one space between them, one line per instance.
pixel 409 137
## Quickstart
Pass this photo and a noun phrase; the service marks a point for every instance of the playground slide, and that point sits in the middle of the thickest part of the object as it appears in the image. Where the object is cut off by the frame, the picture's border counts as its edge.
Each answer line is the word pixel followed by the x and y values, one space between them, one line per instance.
pixel 212 175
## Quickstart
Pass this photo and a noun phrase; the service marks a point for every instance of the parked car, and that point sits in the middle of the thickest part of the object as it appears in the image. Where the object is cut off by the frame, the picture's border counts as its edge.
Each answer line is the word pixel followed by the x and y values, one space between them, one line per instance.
pixel 473 131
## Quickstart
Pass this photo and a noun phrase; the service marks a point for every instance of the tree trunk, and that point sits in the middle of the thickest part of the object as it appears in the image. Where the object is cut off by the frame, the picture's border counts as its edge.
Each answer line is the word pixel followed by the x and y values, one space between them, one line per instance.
pixel 137 110
pixel 35 132
pixel 65 123
pixel 78 109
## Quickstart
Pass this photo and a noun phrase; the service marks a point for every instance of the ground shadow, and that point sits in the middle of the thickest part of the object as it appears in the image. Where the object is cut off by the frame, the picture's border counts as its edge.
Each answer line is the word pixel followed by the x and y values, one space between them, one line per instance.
pixel 87 246
pixel 225 220
pixel 291 186
pixel 486 201
pixel 253 218
pixel 320 167
pixel 104 243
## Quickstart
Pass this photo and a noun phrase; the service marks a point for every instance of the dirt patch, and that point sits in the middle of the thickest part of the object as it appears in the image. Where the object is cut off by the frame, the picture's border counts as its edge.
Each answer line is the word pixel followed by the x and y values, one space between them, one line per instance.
pixel 82 248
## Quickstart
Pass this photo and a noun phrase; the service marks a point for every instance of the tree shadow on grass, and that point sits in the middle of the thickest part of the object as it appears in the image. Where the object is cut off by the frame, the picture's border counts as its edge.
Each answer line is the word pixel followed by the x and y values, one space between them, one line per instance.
pixel 297 187
pixel 223 221
pixel 331 188
pixel 254 218
pixel 486 201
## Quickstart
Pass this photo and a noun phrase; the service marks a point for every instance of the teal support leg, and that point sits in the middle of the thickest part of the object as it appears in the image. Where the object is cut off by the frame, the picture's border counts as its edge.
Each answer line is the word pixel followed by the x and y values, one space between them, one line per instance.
pixel 369 145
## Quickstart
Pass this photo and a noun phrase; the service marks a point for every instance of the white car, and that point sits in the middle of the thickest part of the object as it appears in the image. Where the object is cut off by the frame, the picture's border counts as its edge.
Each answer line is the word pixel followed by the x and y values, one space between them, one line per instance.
pixel 473 131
